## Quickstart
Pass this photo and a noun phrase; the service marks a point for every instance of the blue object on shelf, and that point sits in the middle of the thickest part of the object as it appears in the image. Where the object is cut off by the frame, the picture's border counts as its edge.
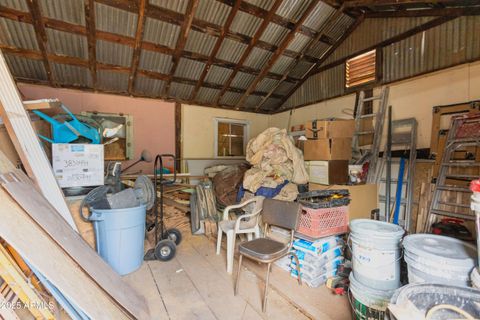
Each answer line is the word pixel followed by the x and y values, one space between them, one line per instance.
pixel 398 197
pixel 69 131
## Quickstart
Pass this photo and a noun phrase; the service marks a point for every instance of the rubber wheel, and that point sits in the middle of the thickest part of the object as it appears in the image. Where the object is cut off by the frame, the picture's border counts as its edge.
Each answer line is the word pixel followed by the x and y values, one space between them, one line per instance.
pixel 165 250
pixel 173 234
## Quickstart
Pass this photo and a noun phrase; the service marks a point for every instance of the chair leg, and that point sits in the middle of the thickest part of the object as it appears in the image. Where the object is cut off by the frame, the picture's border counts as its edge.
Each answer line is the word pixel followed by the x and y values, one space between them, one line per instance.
pixel 249 236
pixel 265 295
pixel 237 281
pixel 297 263
pixel 219 240
pixel 230 251
pixel 257 232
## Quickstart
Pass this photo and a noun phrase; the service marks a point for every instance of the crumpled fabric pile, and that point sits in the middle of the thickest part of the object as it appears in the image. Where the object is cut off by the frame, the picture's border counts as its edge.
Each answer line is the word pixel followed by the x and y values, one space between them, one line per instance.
pixel 275 159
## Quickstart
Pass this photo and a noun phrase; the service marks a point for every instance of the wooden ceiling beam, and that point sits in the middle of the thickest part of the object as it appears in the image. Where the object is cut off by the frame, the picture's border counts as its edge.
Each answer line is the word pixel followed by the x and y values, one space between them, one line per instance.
pixel 182 39
pixel 437 12
pixel 216 48
pixel 249 49
pixel 330 21
pixel 276 55
pixel 37 55
pixel 16 15
pixel 41 35
pixel 138 45
pixel 347 33
pixel 91 40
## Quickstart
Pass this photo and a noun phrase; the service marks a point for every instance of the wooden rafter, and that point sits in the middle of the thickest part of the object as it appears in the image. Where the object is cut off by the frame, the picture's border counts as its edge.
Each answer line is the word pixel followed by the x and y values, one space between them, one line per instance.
pixel 470 11
pixel 182 39
pixel 285 43
pixel 41 36
pixel 249 49
pixel 216 48
pixel 91 40
pixel 36 55
pixel 138 45
pixel 325 57
pixel 16 15
pixel 331 20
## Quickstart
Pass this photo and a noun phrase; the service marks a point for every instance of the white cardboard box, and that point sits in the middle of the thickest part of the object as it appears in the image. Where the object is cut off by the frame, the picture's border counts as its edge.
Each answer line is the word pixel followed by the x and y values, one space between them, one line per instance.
pixel 78 165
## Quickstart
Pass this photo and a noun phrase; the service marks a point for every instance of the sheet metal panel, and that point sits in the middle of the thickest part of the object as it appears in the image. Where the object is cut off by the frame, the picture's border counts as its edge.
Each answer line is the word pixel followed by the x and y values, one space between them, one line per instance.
pixel 149 87
pixel 293 9
pixel 177 5
pixel 112 81
pixel 245 23
pixel 71 75
pixel 207 95
pixel 160 32
pixel 114 53
pixel 300 69
pixel 242 80
pixel 218 75
pixel 252 101
pixel 264 4
pixel 180 90
pixel 72 11
pixel 200 42
pixel 190 69
pixel 319 16
pixel 114 20
pixel 20 5
pixel 230 98
pixel 154 61
pixel 17 34
pixel 67 44
pixel 271 104
pixel 274 34
pixel 231 50
pixel 257 58
pixel 26 68
pixel 212 11
pixel 299 42
pixel 281 65
pixel 266 85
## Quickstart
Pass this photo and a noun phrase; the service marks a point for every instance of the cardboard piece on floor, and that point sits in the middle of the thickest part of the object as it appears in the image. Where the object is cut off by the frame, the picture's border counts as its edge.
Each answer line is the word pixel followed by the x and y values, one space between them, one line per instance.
pixel 38 208
pixel 32 243
pixel 26 143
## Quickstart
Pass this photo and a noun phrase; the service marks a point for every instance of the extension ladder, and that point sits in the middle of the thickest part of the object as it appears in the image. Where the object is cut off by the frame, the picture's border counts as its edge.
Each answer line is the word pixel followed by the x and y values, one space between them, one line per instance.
pixel 451 196
pixel 404 136
pixel 369 151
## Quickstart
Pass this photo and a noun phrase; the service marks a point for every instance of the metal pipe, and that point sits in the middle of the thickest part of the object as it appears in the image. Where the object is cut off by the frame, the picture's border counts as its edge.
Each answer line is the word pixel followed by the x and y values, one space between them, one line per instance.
pixel 389 166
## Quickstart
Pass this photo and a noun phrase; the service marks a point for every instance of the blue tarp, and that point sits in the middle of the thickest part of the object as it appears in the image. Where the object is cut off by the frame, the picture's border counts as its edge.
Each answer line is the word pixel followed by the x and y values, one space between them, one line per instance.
pixel 263 191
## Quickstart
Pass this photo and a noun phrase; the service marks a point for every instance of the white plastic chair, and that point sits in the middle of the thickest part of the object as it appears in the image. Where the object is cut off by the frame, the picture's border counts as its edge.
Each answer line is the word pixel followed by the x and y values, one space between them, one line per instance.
pixel 246 223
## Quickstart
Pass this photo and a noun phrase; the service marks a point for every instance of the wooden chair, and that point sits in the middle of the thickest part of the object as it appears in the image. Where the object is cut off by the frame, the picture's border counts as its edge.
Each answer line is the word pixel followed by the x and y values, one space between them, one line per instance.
pixel 265 250
pixel 247 224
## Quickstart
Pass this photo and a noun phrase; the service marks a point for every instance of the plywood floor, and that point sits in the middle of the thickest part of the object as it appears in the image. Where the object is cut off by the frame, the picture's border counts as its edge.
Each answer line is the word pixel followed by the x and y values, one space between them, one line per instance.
pixel 195 285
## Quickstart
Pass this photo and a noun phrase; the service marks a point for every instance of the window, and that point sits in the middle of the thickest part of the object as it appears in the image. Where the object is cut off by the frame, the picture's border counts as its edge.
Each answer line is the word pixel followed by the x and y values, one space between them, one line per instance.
pixel 361 69
pixel 230 137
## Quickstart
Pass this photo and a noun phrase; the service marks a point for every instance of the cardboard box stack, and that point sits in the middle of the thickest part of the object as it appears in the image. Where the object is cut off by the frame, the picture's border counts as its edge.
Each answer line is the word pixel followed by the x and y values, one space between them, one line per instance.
pixel 328 150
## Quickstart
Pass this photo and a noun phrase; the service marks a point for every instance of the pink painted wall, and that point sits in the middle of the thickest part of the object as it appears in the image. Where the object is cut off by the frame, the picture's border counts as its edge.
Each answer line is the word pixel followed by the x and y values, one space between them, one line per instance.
pixel 153 120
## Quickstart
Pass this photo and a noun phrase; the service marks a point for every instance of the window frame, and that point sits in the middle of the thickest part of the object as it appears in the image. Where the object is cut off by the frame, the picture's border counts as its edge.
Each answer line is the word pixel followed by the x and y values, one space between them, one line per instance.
pixel 246 135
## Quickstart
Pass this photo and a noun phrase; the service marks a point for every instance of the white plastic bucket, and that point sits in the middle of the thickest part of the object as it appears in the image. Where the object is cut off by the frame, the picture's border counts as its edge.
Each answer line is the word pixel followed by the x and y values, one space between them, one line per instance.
pixel 376 253
pixel 439 259
pixel 475 278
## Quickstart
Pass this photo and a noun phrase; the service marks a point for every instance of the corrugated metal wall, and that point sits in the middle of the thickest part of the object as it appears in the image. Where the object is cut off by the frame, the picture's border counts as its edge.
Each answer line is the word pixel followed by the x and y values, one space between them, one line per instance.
pixel 452 43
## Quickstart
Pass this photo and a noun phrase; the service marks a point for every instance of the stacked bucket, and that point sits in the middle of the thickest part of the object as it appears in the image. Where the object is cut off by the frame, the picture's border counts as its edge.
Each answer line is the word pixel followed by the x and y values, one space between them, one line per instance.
pixel 376 255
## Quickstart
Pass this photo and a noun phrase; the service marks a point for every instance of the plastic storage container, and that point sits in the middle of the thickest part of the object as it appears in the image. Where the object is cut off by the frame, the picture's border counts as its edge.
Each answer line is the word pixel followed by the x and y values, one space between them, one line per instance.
pixel 323 222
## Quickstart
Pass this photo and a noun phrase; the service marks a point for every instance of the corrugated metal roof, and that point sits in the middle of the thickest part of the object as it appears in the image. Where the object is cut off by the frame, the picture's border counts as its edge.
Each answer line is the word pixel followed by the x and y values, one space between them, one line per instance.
pixel 257 58
pixel 190 69
pixel 245 23
pixel 26 68
pixel 20 5
pixel 327 84
pixel 230 98
pixel 271 104
pixel 177 5
pixel 274 33
pixel 161 32
pixel 114 20
pixel 71 75
pixel 318 49
pixel 154 61
pixel 293 9
pixel 68 44
pixel 266 85
pixel 242 80
pixel 319 16
pixel 72 11
pixel 373 31
pixel 300 69
pixel 252 101
pixel 112 81
pixel 148 86
pixel 114 53
pixel 264 4
pixel 281 65
pixel 17 34
pixel 180 90
pixel 200 42
pixel 284 88
pixel 212 11
pixel 207 95
pixel 299 42
pixel 337 29
pixel 231 50
pixel 218 75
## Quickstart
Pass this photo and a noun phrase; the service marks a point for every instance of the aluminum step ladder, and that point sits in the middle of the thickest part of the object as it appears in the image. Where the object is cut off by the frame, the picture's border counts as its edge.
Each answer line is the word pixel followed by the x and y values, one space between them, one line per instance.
pixel 369 152
pixel 451 196
pixel 404 137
